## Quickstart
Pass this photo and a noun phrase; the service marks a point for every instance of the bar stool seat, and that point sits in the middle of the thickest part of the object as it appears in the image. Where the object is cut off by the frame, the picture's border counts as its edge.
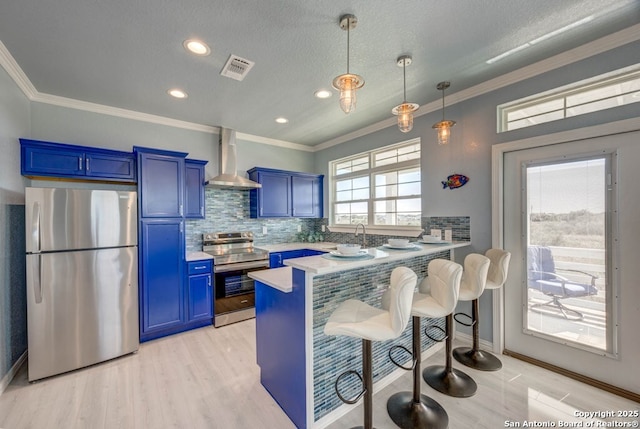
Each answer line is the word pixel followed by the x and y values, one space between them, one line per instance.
pixel 474 357
pixel 357 319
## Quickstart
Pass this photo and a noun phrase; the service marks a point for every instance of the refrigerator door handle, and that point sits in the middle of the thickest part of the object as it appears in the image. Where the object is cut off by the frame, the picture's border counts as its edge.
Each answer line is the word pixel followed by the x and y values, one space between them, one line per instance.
pixel 35 228
pixel 37 279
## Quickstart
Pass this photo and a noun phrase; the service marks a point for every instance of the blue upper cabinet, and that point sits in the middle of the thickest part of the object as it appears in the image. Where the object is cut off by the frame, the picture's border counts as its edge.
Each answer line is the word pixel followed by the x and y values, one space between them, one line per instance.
pixel 48 159
pixel 285 194
pixel 161 182
pixel 194 189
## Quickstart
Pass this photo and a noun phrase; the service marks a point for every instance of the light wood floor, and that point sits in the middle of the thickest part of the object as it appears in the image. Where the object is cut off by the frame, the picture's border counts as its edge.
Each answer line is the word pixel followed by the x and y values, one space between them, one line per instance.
pixel 208 378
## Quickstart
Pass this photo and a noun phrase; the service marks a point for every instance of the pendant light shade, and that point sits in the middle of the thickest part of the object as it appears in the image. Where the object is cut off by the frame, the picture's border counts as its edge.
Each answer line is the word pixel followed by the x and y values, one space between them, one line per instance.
pixel 444 126
pixel 405 110
pixel 348 83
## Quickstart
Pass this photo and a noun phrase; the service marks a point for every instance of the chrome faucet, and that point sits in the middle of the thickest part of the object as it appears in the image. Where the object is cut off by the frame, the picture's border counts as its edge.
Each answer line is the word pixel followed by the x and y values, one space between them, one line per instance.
pixel 364 234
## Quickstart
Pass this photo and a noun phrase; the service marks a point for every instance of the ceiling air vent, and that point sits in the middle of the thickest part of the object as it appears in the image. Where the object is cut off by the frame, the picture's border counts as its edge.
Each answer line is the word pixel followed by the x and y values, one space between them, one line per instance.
pixel 236 67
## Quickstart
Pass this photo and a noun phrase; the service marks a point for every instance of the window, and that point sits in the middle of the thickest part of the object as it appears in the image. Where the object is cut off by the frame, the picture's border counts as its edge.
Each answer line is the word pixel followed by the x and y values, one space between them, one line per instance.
pixel 587 96
pixel 380 187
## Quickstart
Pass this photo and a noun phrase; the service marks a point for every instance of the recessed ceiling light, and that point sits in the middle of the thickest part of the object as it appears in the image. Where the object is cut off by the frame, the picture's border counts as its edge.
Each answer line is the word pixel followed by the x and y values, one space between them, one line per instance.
pixel 282 120
pixel 177 93
pixel 323 93
pixel 196 47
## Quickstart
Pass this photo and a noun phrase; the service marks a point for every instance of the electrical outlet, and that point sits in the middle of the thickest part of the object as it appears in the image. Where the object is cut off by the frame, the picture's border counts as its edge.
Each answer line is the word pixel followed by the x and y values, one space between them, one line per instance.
pixel 264 230
pixel 299 228
pixel 323 228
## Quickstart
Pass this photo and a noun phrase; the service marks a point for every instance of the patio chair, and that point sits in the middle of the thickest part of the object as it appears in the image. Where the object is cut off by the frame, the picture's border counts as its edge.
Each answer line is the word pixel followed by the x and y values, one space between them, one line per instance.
pixel 542 276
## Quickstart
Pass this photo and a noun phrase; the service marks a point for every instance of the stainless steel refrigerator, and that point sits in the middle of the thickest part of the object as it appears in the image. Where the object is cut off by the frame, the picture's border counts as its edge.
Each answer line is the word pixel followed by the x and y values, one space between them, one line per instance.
pixel 82 277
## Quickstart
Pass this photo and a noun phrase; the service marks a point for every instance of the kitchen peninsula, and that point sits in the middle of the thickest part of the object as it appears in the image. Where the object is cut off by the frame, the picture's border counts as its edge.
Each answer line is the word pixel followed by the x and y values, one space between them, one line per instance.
pixel 298 362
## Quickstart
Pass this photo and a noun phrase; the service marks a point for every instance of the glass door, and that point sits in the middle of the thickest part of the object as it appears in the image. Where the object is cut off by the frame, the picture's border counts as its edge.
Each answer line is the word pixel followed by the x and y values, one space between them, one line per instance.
pixel 568 294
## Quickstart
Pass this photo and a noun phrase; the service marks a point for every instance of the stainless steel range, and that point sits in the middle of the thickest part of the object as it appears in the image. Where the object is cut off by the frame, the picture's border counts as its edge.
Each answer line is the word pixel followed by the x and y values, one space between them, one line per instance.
pixel 233 257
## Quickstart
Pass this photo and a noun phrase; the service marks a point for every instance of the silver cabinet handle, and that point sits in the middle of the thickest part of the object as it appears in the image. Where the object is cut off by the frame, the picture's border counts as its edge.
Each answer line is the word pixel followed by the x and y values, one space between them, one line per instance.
pixel 79 163
pixel 209 281
pixel 244 301
pixel 87 162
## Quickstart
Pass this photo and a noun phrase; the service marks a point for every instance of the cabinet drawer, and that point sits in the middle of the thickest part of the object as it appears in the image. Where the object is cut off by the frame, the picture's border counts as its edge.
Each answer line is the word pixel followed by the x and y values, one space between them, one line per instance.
pixel 233 303
pixel 199 267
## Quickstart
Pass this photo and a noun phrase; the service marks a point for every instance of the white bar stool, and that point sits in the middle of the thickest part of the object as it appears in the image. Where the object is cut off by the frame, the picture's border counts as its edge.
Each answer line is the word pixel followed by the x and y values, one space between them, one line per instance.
pixel 443 287
pixel 357 319
pixel 473 357
pixel 411 410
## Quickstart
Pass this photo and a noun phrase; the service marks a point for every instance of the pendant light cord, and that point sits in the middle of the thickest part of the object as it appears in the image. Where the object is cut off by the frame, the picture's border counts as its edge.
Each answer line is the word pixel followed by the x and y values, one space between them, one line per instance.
pixel 404 79
pixel 442 104
pixel 348 31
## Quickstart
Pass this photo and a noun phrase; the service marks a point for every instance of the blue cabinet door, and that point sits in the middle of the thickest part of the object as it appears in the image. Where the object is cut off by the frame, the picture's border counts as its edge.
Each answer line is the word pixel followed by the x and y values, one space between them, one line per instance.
pixel 275 195
pixel 110 166
pixel 275 260
pixel 162 283
pixel 306 194
pixel 160 183
pixel 51 161
pixel 194 189
pixel 200 297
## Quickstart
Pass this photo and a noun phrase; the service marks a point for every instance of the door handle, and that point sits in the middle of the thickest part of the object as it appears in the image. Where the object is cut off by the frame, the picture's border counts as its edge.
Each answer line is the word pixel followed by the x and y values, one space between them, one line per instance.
pixel 35 228
pixel 87 162
pixel 37 279
pixel 80 163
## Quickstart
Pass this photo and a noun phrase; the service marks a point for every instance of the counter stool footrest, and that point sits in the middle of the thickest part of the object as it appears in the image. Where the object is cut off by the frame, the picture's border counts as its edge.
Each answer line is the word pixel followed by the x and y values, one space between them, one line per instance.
pixel 437 328
pixel 413 359
pixel 471 319
pixel 342 398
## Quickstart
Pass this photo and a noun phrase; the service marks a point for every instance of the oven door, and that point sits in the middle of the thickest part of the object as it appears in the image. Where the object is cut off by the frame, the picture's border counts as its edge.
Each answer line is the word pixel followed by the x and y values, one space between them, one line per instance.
pixel 234 296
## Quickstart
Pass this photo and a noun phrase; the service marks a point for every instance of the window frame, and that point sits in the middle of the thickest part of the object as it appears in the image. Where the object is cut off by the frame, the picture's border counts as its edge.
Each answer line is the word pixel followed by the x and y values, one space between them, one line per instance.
pixel 370 172
pixel 621 76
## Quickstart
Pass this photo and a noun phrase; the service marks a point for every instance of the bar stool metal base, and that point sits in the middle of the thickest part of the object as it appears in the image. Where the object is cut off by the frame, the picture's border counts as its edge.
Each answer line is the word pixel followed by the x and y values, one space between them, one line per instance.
pixel 477 359
pixel 453 383
pixel 408 414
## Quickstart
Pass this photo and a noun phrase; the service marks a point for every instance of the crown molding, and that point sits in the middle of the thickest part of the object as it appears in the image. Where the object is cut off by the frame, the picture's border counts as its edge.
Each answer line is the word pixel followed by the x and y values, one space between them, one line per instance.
pixel 274 142
pixel 13 69
pixel 606 43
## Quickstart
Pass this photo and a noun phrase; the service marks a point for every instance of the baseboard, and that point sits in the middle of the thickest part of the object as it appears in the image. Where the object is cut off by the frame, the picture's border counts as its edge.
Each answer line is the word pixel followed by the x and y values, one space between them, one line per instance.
pixel 579 377
pixel 6 380
pixel 468 339
pixel 339 412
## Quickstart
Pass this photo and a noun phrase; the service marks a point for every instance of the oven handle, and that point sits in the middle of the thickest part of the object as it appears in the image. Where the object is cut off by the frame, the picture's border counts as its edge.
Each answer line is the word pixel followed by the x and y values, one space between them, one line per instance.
pixel 241 266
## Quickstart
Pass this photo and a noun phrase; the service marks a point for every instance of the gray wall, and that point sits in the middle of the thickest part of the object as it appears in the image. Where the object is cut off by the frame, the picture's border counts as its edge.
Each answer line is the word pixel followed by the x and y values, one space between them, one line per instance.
pixel 14 123
pixel 64 125
pixel 469 151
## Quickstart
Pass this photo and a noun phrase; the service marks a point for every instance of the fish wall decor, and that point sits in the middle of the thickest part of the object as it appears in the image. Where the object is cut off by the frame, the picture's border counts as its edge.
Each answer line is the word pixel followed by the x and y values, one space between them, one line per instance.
pixel 455 181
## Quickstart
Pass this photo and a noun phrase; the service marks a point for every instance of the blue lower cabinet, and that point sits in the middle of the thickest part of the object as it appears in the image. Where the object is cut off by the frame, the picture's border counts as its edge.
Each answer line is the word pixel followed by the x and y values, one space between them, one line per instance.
pixel 200 291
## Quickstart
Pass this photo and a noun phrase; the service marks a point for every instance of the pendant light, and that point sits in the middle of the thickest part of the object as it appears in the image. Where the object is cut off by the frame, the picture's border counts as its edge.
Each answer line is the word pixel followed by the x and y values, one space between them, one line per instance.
pixel 348 83
pixel 405 110
pixel 444 126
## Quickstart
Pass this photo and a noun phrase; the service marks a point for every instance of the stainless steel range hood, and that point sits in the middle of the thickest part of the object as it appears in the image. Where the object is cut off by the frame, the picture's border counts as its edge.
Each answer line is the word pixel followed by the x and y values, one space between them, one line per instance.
pixel 228 177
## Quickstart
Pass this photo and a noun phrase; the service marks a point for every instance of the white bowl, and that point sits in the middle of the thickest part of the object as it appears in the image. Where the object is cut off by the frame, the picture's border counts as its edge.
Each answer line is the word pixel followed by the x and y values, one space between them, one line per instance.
pixel 398 242
pixel 348 249
pixel 430 239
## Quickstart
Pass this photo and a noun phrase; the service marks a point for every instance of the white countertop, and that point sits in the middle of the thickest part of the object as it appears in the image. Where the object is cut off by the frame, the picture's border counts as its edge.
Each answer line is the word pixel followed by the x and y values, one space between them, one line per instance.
pixel 320 265
pixel 320 245
pixel 197 256
pixel 278 278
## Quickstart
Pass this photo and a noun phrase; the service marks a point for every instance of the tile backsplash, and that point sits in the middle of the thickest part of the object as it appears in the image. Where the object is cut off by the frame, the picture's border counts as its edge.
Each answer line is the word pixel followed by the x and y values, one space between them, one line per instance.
pixel 228 210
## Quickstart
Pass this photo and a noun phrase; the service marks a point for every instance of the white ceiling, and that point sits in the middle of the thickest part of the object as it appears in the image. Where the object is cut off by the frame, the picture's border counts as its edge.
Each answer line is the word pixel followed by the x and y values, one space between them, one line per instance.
pixel 127 54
